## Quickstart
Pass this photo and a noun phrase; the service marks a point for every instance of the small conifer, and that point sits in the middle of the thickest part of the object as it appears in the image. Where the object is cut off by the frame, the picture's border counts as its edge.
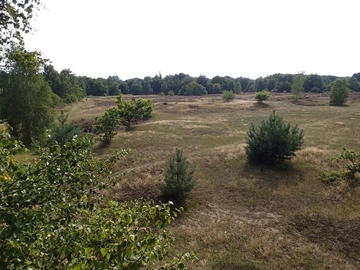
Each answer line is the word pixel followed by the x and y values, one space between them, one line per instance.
pixel 273 141
pixel 179 178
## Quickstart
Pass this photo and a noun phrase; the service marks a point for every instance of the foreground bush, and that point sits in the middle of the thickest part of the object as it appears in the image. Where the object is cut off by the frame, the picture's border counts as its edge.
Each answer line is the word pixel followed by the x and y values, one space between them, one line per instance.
pixel 51 216
pixel 273 141
pixel 179 178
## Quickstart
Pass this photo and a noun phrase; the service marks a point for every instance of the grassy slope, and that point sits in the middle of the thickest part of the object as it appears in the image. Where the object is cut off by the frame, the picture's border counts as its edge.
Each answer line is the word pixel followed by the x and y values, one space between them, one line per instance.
pixel 239 216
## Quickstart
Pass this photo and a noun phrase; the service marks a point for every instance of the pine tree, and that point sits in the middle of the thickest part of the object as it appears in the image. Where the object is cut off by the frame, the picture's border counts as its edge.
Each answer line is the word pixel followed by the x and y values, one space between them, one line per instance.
pixel 179 178
pixel 273 141
pixel 63 132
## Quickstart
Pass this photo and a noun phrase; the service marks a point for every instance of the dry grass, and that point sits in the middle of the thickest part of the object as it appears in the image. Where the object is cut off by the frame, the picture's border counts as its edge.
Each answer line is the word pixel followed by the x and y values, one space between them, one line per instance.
pixel 240 216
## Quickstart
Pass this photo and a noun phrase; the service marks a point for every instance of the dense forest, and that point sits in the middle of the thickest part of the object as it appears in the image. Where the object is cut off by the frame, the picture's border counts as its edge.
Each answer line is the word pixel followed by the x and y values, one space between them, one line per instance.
pixel 69 87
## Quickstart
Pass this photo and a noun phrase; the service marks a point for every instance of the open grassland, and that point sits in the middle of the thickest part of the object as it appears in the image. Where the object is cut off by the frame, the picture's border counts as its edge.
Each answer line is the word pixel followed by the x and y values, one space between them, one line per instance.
pixel 241 216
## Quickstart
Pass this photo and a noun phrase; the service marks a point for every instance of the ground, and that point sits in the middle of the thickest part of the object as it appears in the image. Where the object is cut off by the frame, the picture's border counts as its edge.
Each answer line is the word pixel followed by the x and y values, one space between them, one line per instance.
pixel 241 216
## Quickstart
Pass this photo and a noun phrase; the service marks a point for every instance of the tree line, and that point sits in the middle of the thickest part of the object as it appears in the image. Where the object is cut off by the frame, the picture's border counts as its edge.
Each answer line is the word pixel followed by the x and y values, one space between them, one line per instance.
pixel 69 88
pixel 184 84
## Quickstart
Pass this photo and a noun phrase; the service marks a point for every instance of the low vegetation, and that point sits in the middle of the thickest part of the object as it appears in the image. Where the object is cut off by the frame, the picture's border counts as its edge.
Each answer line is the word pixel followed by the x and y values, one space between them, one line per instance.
pixel 262 96
pixel 80 233
pixel 348 167
pixel 228 96
pixel 275 216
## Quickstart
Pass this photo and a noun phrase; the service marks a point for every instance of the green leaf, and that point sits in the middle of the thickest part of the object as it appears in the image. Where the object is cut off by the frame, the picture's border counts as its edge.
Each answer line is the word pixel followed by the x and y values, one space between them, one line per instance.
pixel 104 251
pixel 88 250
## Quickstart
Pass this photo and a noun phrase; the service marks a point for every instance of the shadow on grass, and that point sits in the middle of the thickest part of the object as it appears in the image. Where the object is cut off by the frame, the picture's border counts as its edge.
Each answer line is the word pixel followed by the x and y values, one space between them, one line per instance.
pixel 258 105
pixel 274 175
pixel 335 234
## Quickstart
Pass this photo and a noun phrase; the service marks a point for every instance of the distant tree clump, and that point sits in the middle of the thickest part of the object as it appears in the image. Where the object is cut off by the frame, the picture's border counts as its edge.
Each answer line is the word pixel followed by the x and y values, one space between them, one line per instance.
pixel 314 83
pixel 193 89
pixel 179 178
pixel 273 141
pixel 262 95
pixel 228 96
pixel 339 92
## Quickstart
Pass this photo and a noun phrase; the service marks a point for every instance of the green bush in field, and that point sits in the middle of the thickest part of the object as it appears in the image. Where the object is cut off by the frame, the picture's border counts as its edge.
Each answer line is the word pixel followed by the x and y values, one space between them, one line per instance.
pixel 228 96
pixel 134 109
pixel 179 178
pixel 273 141
pixel 350 162
pixel 339 92
pixel 107 124
pixel 262 95
pixel 53 214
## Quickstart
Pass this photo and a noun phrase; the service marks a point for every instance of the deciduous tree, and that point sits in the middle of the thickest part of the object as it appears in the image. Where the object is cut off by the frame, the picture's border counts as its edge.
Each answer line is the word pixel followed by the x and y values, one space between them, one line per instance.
pixel 134 109
pixel 297 88
pixel 15 20
pixel 52 216
pixel 26 98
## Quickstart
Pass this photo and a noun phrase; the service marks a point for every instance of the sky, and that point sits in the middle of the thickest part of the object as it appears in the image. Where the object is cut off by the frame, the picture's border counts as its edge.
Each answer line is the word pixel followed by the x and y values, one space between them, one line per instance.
pixel 237 38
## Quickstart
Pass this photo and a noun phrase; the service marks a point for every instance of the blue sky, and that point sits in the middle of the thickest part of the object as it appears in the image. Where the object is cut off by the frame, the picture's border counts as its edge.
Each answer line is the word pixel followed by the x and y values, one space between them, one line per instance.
pixel 249 38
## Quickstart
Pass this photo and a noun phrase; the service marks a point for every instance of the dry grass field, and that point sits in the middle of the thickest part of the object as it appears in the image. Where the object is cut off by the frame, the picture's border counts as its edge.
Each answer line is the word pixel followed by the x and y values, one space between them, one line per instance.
pixel 241 216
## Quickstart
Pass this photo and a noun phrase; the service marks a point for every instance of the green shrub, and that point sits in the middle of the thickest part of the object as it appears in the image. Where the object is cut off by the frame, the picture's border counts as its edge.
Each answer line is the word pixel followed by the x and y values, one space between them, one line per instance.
pixel 262 95
pixel 178 178
pixel 62 132
pixel 171 93
pixel 339 92
pixel 228 96
pixel 53 216
pixel 332 177
pixel 273 141
pixel 134 109
pixel 350 162
pixel 107 124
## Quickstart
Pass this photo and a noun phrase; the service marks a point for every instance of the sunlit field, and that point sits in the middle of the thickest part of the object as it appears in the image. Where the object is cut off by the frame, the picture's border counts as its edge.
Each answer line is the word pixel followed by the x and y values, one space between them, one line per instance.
pixel 241 216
